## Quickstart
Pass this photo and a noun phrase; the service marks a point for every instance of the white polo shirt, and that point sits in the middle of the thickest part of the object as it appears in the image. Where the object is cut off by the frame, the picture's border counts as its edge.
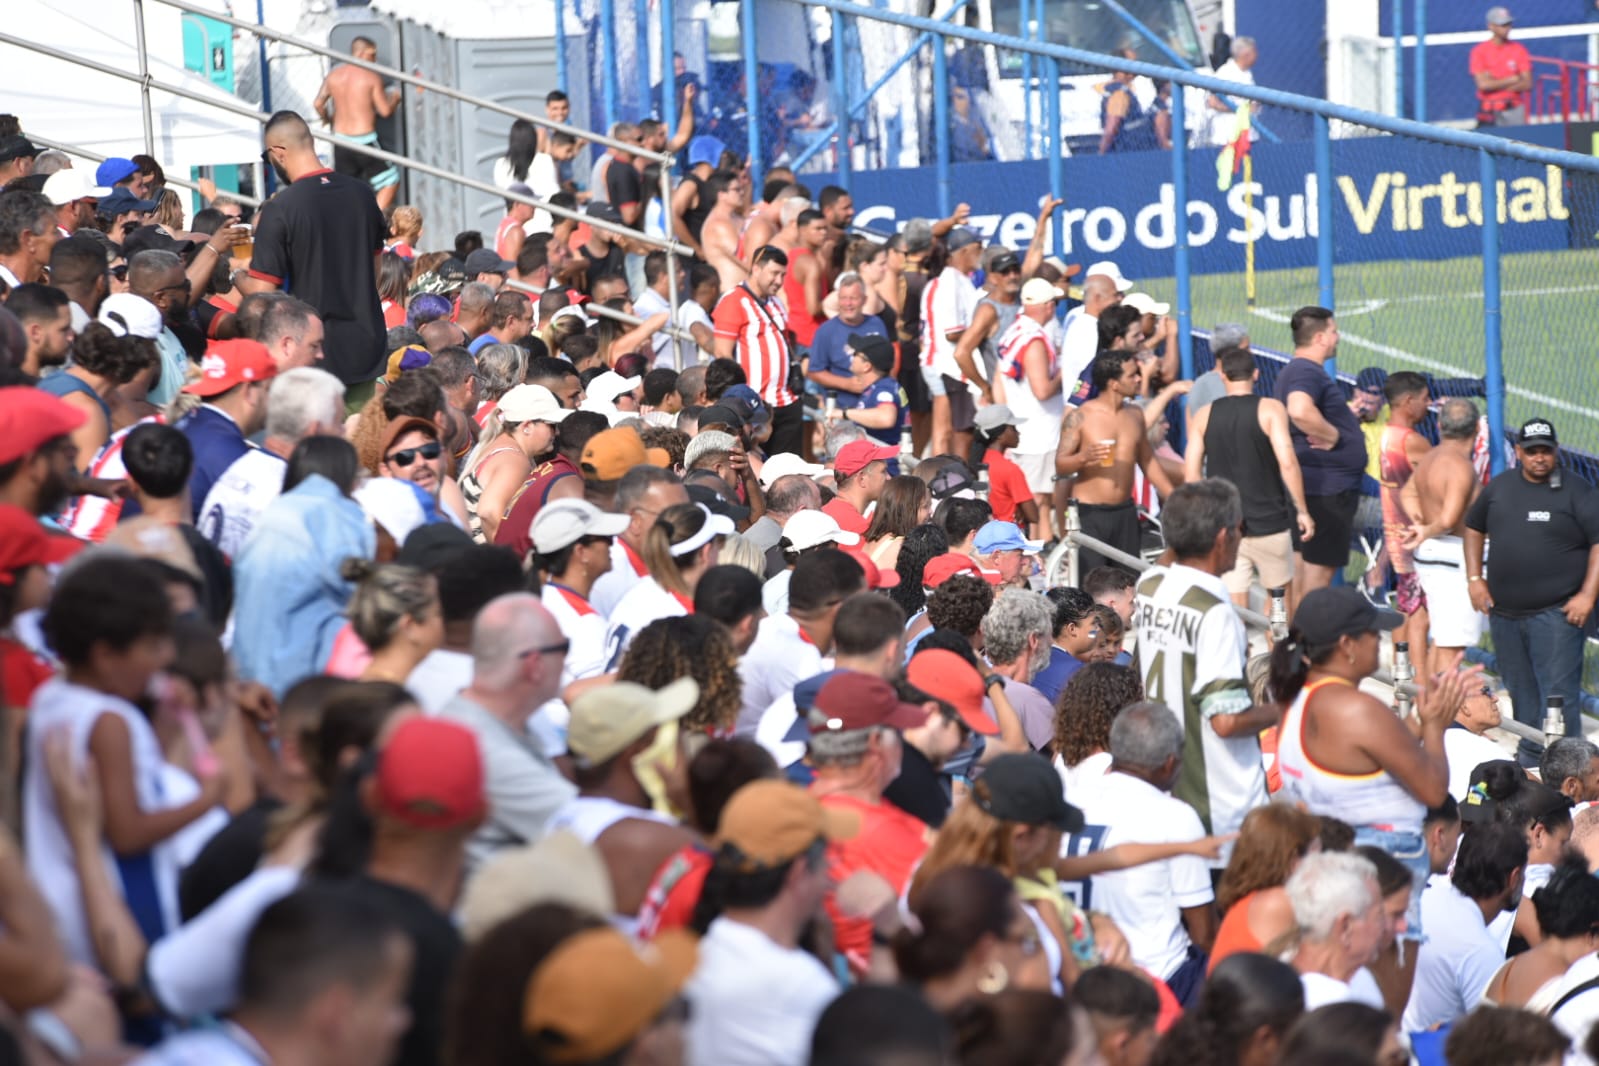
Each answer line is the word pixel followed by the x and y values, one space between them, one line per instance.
pixel 646 602
pixel 583 625
pixel 1146 902
pixel 627 569
pixel 1456 963
pixel 754 1001
pixel 781 657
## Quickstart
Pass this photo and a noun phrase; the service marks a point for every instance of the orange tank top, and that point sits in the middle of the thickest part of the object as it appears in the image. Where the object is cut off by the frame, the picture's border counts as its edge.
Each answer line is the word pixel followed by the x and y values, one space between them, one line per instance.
pixel 799 319
pixel 1234 937
pixel 507 224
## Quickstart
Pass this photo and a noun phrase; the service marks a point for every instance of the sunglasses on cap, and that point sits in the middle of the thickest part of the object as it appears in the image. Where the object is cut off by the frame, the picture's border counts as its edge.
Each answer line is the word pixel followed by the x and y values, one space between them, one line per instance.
pixel 406 456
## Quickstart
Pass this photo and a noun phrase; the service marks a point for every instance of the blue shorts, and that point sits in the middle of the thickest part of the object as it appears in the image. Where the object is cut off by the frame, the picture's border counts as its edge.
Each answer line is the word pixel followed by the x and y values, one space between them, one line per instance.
pixel 1411 850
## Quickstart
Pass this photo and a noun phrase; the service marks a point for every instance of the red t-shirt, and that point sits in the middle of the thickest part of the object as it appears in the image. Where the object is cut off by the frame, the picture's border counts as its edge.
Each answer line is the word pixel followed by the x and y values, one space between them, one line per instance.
pixel 670 900
pixel 844 513
pixel 890 844
pixel 21 671
pixel 1501 61
pixel 1007 487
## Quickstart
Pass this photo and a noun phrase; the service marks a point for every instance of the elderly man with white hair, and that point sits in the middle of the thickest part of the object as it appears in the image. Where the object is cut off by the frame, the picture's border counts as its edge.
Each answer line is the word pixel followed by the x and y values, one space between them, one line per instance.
pixel 1338 908
pixel 518 652
pixel 304 401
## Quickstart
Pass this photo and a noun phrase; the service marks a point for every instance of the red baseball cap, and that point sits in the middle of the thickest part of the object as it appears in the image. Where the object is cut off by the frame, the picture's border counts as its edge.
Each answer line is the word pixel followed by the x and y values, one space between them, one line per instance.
pixel 29 417
pixel 946 676
pixel 854 456
pixel 940 568
pixel 230 363
pixel 853 700
pixel 876 578
pixel 24 543
pixel 430 774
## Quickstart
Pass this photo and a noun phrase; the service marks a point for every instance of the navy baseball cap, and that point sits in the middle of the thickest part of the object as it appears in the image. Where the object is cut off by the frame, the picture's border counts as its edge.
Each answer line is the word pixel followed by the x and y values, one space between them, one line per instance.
pixel 746 403
pixel 1371 379
pixel 120 202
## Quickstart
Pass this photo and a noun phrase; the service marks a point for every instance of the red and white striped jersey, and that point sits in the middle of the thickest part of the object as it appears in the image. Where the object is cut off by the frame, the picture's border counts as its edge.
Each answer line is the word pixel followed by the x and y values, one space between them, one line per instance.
pixel 759 327
pixel 948 303
pixel 91 518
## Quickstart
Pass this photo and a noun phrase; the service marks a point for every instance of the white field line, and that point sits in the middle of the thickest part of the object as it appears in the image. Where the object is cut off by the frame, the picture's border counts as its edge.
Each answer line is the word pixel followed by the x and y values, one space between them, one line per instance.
pixel 1438 365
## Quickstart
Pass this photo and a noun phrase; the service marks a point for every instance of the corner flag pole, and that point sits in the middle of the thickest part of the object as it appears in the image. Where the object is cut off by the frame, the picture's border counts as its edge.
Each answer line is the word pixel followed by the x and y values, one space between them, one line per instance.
pixel 1249 248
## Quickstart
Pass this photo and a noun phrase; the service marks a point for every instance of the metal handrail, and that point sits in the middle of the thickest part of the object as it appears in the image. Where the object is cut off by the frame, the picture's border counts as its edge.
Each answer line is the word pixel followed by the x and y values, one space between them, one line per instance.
pixel 415 80
pixel 671 247
pixel 602 311
pixel 72 149
pixel 1496 146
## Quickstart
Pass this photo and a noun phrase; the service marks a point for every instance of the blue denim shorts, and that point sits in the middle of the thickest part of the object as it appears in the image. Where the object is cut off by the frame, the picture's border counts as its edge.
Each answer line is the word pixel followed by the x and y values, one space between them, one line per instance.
pixel 935 381
pixel 1411 850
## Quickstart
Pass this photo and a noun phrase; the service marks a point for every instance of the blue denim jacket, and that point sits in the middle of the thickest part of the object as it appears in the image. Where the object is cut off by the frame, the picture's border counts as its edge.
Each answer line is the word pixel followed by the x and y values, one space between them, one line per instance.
pixel 288 595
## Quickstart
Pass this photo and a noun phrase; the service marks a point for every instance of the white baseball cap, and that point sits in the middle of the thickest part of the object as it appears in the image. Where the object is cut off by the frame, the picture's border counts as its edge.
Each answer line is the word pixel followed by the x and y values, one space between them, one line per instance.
pixel 1038 291
pixel 1145 304
pixel 1111 271
pixel 128 315
pixel 563 522
pixel 609 385
pixel 808 528
pixel 69 185
pixel 785 463
pixel 531 403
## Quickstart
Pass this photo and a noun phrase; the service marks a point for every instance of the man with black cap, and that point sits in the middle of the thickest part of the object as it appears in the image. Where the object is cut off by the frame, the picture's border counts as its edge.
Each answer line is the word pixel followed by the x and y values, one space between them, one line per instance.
pixel 487 266
pixel 1539 594
pixel 17 154
pixel 880 409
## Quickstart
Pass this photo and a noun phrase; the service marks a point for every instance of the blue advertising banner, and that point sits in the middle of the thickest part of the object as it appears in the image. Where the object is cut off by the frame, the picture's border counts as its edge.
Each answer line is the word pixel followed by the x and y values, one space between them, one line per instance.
pixel 1392 199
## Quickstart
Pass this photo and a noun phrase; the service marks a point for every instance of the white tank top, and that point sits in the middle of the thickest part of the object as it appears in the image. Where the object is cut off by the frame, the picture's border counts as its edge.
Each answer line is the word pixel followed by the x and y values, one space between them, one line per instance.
pixel 1374 800
pixel 586 817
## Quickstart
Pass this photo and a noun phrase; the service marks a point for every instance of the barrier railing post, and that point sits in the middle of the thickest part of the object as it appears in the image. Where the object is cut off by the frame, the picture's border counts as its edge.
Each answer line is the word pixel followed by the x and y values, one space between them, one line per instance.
pixel 1074 525
pixel 1024 15
pixel 1421 61
pixel 841 99
pixel 669 69
pixel 1493 337
pixel 1399 58
pixel 1324 212
pixel 1179 187
pixel 941 124
pixel 1057 167
pixel 641 58
pixel 671 258
pixel 608 76
pixel 144 77
pixel 752 94
pixel 560 47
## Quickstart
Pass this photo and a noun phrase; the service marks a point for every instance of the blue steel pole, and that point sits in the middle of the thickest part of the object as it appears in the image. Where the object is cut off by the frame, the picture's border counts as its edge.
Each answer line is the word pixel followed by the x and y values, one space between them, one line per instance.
pixel 941 124
pixel 608 57
pixel 1399 58
pixel 1324 212
pixel 1421 61
pixel 269 177
pixel 641 58
pixel 560 46
pixel 669 67
pixel 1180 265
pixel 841 98
pixel 1493 338
pixel 1024 29
pixel 752 98
pixel 1056 167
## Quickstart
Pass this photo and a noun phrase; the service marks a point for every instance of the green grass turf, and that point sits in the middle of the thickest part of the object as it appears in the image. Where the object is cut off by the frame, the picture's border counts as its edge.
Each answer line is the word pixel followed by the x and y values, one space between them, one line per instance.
pixel 1427 315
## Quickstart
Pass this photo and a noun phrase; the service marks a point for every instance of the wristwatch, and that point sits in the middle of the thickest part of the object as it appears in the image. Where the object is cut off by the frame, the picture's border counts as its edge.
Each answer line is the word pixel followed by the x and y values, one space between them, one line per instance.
pixel 991 680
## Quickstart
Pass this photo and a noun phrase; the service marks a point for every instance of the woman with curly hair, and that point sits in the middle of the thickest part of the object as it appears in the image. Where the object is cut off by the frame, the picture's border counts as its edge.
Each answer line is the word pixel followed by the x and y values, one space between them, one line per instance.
pixel 689 646
pixel 1251 898
pixel 905 504
pixel 921 544
pixel 1083 714
pixel 105 357
pixel 500 368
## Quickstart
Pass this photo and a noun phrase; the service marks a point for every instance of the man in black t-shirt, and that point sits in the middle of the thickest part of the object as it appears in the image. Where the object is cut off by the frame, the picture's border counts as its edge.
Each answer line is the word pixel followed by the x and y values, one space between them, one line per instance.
pixel 318 239
pixel 1539 593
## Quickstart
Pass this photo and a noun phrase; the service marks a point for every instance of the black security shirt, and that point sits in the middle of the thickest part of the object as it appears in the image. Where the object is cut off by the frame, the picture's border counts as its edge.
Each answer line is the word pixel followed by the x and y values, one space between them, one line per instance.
pixel 1538 539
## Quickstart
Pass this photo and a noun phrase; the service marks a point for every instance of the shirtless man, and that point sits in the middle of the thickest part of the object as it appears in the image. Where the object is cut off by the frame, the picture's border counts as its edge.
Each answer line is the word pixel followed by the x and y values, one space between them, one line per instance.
pixel 1101 442
pixel 719 236
pixel 351 101
pixel 1441 488
pixel 764 221
pixel 787 236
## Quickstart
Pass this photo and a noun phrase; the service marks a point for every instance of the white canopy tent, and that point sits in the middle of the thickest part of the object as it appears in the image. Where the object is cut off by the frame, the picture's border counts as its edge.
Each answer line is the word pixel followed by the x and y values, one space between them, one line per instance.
pixel 100 113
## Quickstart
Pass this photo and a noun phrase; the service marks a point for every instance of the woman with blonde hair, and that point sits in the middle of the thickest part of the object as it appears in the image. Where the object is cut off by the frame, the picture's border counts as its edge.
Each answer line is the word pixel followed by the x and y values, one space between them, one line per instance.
pixel 685 541
pixel 395 612
pixel 169 212
pixel 1251 899
pixel 519 432
pixel 739 550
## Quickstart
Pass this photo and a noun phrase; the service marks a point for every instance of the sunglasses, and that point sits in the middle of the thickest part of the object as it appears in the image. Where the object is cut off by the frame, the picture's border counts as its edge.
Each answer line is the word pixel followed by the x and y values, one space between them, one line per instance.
pixel 549 649
pixel 406 456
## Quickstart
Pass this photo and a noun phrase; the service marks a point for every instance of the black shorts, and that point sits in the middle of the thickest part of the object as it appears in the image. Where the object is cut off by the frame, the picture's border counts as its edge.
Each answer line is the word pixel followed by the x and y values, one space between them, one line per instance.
pixel 1335 526
pixel 375 172
pixel 917 400
pixel 962 404
pixel 1114 523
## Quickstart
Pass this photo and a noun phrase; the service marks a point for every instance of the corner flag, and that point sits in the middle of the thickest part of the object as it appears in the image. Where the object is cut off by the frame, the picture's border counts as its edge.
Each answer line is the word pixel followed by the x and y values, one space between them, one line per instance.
pixel 1231 159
